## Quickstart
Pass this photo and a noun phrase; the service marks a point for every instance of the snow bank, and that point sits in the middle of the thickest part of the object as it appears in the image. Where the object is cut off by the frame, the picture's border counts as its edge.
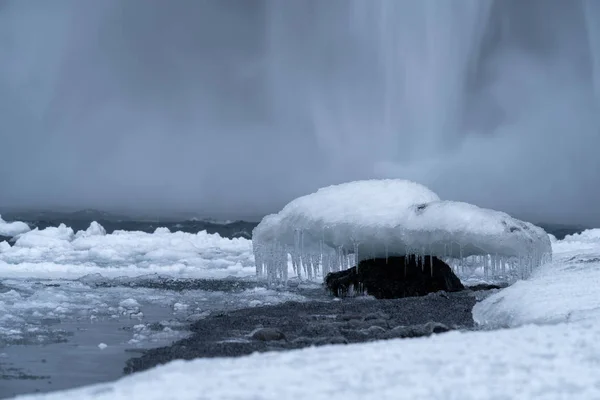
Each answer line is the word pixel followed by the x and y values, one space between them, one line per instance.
pixel 58 252
pixel 561 291
pixel 381 218
pixel 12 229
pixel 557 362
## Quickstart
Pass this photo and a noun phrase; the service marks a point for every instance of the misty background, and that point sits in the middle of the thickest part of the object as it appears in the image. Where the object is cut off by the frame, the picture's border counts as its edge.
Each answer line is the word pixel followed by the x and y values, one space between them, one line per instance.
pixel 232 108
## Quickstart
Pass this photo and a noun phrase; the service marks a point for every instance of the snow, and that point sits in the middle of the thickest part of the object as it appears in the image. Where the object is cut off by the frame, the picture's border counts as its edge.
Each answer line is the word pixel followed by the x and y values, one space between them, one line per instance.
pixel 531 362
pixel 381 218
pixel 59 253
pixel 565 290
pixel 558 359
pixel 12 229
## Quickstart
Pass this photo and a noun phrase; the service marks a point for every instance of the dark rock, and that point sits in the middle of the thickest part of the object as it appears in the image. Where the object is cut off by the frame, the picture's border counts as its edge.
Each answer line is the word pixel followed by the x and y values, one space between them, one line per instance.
pixel 395 277
pixel 428 329
pixel 317 330
pixel 350 317
pixel 375 331
pixel 267 334
pixel 376 315
pixel 485 286
pixel 330 340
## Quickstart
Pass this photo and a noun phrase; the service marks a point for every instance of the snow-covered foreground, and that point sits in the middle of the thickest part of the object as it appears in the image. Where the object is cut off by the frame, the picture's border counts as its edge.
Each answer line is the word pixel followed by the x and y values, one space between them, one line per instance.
pixel 556 360
pixel 559 362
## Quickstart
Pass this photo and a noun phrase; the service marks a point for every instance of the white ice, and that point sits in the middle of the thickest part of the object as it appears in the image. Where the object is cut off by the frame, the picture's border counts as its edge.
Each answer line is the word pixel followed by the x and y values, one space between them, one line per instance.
pixel 559 359
pixel 11 229
pixel 60 253
pixel 565 290
pixel 381 218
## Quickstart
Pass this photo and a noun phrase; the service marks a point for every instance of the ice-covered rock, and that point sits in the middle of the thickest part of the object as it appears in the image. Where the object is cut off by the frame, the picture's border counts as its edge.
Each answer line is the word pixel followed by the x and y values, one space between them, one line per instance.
pixel 382 218
pixel 12 229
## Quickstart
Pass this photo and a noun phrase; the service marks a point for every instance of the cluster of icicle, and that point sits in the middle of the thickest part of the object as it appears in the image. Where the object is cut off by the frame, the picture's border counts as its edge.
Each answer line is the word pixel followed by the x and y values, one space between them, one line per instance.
pixel 273 260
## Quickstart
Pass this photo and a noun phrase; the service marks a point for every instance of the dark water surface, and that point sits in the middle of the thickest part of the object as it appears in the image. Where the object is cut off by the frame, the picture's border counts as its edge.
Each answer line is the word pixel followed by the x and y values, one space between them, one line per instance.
pixel 29 368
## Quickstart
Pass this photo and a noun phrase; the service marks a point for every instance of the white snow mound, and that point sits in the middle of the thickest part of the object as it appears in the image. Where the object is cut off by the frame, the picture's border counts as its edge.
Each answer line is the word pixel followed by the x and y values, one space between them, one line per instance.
pixel 12 229
pixel 565 290
pixel 381 218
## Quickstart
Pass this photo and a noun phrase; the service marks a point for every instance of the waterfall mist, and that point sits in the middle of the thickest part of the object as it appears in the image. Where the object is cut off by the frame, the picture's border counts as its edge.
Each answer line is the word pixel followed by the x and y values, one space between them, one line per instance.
pixel 233 107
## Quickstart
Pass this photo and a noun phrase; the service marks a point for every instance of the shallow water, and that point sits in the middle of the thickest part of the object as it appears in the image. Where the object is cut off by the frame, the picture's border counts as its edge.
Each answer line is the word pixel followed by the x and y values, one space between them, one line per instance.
pixel 51 330
pixel 27 368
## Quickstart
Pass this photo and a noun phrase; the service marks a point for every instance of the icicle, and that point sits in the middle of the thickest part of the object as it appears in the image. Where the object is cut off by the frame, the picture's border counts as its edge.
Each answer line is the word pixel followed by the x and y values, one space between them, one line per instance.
pixel 431 265
pixel 386 252
pixel 356 255
pixel 460 266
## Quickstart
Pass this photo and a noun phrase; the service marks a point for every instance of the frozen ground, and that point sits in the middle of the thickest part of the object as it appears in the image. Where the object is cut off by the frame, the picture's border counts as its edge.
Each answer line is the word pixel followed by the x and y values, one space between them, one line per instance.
pixel 44 301
pixel 559 359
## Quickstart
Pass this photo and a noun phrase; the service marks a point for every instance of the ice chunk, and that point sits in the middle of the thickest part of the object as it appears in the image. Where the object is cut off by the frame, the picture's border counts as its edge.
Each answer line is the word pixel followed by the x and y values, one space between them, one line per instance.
pixel 46 238
pixel 587 236
pixel 129 303
pixel 95 229
pixel 12 229
pixel 381 218
pixel 4 246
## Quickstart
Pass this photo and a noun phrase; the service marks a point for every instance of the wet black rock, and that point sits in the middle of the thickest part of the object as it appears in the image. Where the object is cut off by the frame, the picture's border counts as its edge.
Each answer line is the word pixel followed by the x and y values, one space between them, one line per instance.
pixel 486 286
pixel 428 329
pixel 395 277
pixel 267 334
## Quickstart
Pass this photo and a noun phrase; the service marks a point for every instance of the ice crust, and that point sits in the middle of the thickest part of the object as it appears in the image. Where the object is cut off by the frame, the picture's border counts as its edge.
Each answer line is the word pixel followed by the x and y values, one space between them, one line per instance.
pixel 333 227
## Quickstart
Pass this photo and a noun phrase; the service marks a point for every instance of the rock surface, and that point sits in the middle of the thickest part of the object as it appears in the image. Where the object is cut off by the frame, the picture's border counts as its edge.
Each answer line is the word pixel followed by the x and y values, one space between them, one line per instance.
pixel 395 277
pixel 296 325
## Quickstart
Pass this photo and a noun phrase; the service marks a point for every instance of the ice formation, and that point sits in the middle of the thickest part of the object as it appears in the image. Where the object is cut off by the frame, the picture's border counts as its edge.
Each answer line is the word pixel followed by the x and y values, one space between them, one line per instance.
pixel 59 252
pixel 331 229
pixel 564 290
pixel 12 229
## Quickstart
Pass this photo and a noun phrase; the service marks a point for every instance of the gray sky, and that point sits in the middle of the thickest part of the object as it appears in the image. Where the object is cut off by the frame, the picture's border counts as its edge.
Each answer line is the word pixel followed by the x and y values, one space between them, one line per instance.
pixel 231 108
